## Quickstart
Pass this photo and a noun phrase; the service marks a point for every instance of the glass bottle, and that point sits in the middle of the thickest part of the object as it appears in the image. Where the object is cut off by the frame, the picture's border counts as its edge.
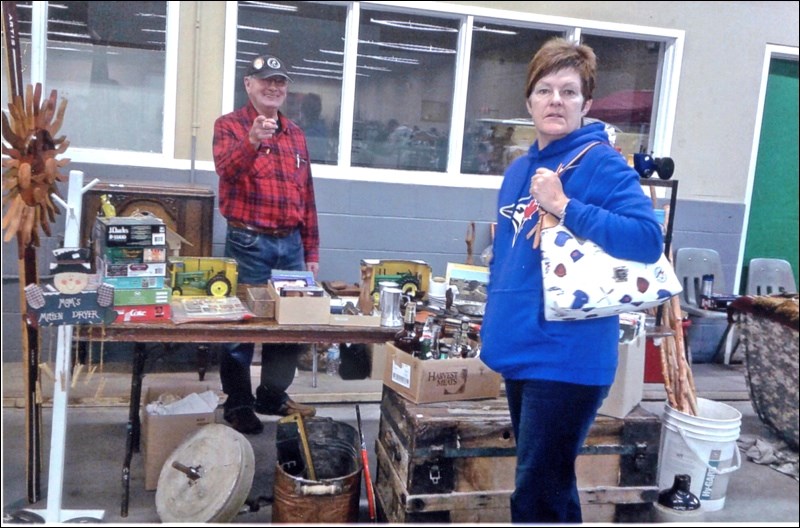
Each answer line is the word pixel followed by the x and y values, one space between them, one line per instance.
pixel 407 339
pixel 426 339
pixel 678 497
pixel 461 347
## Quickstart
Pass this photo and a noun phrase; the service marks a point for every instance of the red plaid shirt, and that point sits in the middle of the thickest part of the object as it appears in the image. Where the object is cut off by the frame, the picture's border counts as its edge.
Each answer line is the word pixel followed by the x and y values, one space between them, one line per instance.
pixel 270 187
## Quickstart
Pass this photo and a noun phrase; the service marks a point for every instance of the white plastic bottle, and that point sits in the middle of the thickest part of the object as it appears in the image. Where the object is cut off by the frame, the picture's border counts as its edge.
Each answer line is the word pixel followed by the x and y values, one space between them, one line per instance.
pixel 333 360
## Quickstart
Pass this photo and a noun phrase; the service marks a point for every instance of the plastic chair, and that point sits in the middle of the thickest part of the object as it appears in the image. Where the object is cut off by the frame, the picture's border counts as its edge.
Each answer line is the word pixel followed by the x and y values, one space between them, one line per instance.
pixel 767 276
pixel 690 266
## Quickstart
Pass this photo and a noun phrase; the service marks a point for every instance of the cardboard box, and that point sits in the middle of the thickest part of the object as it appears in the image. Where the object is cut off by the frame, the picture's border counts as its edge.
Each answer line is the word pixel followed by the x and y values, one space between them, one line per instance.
pixel 153 269
pixel 628 387
pixel 139 297
pixel 301 310
pixel 413 276
pixel 355 320
pixel 378 352
pixel 257 299
pixel 438 380
pixel 135 282
pixel 161 435
pixel 149 313
pixel 129 231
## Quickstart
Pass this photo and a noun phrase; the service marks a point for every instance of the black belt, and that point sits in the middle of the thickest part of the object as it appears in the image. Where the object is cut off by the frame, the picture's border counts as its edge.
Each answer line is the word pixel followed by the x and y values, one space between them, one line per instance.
pixel 276 232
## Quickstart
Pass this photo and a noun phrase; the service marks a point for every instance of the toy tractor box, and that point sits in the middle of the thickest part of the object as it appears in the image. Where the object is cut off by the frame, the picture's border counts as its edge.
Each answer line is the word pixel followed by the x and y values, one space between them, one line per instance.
pixel 202 276
pixel 411 276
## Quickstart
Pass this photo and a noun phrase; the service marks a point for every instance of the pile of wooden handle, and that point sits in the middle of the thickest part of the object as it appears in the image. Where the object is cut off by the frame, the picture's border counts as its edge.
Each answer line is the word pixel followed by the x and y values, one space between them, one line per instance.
pixel 678 379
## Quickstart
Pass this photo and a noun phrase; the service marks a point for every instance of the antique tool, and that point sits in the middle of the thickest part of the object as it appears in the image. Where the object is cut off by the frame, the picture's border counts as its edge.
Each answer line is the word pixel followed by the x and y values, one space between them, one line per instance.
pixel 297 419
pixel 365 463
pixel 207 478
pixel 470 240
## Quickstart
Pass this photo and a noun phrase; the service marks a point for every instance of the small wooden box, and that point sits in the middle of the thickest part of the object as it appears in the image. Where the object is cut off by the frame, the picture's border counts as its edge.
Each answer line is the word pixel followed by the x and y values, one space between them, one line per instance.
pixel 454 462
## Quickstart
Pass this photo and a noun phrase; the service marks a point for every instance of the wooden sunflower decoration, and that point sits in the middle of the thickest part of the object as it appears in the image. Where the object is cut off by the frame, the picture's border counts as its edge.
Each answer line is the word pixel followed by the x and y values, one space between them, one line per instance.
pixel 32 169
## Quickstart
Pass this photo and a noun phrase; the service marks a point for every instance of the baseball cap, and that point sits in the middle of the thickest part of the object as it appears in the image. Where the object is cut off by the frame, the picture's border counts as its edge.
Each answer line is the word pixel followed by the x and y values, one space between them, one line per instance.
pixel 265 66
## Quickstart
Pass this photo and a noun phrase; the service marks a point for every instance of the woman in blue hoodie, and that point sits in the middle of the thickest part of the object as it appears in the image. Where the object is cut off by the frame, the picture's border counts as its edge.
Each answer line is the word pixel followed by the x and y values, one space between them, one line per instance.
pixel 558 373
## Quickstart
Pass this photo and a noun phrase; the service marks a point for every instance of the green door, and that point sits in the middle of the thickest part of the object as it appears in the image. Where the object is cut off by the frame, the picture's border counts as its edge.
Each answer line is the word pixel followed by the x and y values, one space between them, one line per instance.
pixel 772 230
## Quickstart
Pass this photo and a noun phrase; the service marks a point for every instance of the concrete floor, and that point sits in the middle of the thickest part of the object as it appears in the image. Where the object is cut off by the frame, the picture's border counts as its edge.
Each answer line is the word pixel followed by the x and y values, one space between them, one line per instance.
pixel 97 434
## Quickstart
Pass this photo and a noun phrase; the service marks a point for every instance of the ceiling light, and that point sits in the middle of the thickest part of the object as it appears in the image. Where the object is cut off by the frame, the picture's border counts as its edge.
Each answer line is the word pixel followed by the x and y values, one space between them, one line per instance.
pixel 399 60
pixel 327 63
pixel 413 25
pixel 262 30
pixel 308 68
pixel 269 5
pixel 332 52
pixel 409 47
pixel 491 30
pixel 338 78
pixel 243 41
pixel 373 68
pixel 65 34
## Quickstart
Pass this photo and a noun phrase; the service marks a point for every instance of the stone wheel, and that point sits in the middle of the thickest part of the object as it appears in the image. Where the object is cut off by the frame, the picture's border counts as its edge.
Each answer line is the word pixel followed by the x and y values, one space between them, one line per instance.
pixel 207 478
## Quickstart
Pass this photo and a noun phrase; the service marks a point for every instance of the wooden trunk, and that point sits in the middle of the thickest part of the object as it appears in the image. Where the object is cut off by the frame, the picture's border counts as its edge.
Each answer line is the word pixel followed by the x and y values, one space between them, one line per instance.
pixel 454 462
pixel 187 209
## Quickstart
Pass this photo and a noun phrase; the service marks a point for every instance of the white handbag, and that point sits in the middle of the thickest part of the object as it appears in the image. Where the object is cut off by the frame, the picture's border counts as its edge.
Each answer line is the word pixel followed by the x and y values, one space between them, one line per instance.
pixel 581 281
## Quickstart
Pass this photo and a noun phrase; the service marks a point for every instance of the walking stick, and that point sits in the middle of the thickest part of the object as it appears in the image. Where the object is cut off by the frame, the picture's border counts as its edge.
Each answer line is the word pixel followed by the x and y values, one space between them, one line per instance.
pixel 365 463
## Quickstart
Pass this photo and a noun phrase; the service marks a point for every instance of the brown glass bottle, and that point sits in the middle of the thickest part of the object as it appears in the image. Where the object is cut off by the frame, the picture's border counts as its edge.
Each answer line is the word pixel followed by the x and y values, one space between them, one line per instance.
pixel 407 339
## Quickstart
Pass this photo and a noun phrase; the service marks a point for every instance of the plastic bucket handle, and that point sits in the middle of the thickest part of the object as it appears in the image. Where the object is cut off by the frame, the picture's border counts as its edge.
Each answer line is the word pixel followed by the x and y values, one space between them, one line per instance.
pixel 718 471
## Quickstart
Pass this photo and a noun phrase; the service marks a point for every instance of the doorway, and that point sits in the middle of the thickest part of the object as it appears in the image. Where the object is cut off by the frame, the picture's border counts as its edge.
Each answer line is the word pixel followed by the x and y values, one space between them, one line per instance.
pixel 771 216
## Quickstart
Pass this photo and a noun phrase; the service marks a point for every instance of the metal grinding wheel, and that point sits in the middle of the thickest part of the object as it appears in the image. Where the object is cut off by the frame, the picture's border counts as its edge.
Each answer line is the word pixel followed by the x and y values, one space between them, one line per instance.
pixel 207 478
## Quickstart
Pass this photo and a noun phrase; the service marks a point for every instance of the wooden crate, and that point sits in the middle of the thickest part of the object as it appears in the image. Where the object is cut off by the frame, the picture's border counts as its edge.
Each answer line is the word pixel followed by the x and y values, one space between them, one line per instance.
pixel 454 463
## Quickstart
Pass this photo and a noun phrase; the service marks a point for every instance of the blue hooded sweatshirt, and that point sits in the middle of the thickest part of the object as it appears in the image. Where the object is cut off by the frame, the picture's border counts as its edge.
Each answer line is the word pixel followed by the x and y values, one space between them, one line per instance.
pixel 608 206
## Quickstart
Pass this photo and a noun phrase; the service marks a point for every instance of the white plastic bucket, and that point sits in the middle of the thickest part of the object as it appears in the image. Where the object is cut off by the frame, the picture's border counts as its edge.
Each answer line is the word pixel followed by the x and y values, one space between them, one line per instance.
pixel 703 447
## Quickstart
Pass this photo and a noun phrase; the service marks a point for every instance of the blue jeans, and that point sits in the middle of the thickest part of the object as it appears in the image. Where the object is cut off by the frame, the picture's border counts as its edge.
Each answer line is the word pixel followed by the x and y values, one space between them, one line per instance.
pixel 257 255
pixel 551 420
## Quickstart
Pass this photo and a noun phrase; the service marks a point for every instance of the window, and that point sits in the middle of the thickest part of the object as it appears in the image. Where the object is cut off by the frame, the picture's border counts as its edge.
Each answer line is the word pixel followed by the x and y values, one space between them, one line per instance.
pixel 405 79
pixel 498 127
pixel 441 91
pixel 108 59
pixel 309 38
pixel 626 87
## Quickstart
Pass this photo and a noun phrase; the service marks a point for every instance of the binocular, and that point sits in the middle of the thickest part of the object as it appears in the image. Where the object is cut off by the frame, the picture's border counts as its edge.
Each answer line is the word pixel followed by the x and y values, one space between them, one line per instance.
pixel 646 165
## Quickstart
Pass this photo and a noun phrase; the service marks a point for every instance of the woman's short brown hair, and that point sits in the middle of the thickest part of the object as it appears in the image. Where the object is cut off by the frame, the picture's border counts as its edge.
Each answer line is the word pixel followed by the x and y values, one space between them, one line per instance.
pixel 557 54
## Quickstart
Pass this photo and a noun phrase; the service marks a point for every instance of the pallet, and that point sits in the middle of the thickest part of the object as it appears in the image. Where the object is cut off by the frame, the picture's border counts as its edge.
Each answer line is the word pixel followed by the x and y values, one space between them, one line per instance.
pixel 454 463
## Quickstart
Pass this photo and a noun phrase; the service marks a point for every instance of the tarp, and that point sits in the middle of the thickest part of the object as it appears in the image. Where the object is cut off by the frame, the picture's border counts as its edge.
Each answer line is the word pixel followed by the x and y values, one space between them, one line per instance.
pixel 625 107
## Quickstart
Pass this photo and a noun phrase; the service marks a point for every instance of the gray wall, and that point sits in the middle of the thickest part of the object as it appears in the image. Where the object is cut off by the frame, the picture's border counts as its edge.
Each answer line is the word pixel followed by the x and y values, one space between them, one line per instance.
pixel 387 221
pixel 714 129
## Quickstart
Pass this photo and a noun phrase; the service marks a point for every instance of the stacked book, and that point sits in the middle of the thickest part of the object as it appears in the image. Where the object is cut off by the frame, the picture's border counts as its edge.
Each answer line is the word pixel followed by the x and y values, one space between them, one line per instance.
pixel 131 255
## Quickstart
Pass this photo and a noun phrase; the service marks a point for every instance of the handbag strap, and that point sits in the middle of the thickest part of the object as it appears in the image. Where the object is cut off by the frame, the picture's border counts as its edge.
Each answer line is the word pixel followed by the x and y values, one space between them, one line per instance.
pixel 536 232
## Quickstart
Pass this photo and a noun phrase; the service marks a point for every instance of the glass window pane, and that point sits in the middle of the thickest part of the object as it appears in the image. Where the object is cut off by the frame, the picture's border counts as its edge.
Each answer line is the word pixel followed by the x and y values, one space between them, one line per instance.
pixel 23 17
pixel 108 60
pixel 404 90
pixel 627 70
pixel 309 38
pixel 498 127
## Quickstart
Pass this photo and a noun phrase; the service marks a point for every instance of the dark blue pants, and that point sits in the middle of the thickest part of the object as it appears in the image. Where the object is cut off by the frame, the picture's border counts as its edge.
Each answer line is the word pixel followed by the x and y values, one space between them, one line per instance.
pixel 257 255
pixel 551 420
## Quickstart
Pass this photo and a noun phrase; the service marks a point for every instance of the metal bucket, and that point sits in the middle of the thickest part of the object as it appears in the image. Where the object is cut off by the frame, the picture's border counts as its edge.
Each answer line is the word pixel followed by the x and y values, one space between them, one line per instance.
pixel 333 498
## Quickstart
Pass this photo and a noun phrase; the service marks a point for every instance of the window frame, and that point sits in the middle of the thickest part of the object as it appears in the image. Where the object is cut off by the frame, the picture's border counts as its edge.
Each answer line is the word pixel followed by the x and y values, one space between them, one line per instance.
pixel 668 78
pixel 163 159
pixel 661 133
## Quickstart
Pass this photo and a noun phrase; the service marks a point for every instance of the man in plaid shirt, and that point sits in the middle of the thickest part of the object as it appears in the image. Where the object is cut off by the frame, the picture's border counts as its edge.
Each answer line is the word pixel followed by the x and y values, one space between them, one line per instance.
pixel 266 194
